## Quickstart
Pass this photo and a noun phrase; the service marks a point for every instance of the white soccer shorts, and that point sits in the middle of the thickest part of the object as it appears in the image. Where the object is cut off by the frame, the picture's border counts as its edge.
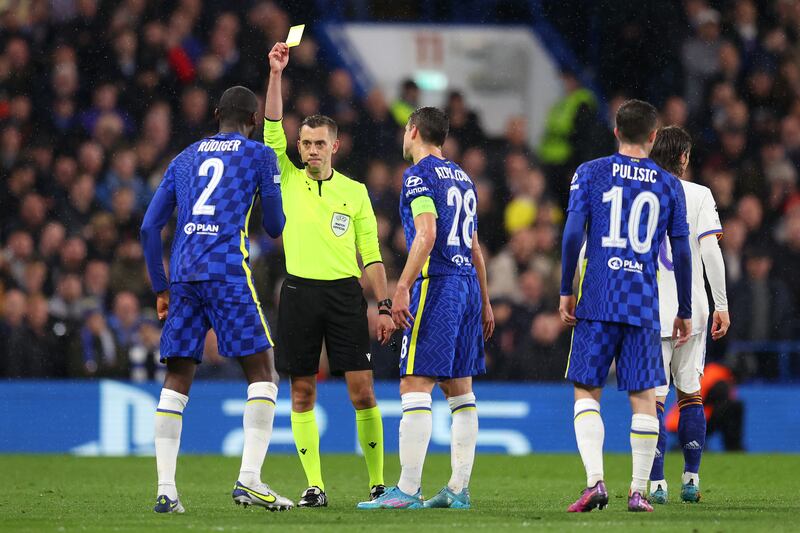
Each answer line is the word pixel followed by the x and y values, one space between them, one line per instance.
pixel 684 365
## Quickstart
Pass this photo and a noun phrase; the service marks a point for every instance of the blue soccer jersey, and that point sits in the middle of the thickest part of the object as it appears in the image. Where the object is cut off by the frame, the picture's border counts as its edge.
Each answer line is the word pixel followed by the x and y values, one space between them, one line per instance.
pixel 446 338
pixel 215 182
pixel 630 204
pixel 456 203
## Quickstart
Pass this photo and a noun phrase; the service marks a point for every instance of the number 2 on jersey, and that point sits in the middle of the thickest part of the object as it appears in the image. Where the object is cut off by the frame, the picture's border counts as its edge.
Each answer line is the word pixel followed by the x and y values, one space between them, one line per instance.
pixel 470 205
pixel 614 238
pixel 217 168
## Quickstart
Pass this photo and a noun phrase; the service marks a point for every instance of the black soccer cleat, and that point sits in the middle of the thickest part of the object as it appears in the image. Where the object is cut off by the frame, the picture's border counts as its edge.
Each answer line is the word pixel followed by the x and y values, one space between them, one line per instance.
pixel 313 497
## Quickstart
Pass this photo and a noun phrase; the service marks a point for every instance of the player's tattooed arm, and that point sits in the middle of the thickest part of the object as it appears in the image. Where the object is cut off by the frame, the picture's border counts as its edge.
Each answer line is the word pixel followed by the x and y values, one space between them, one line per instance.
pixel 480 269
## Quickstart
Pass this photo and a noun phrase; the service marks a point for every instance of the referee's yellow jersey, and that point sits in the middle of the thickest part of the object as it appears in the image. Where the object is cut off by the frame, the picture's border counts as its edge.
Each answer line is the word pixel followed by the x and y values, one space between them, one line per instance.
pixel 326 221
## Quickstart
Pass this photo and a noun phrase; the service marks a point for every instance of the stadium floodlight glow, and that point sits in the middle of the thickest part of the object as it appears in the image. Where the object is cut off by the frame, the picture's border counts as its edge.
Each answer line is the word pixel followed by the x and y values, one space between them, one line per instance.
pixel 431 80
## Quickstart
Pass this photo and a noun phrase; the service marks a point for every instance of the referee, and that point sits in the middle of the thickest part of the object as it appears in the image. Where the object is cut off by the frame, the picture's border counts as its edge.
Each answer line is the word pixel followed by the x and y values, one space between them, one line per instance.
pixel 328 218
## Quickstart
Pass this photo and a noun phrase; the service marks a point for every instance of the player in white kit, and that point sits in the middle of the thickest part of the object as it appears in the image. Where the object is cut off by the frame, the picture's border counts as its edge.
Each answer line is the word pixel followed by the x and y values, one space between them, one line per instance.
pixel 684 365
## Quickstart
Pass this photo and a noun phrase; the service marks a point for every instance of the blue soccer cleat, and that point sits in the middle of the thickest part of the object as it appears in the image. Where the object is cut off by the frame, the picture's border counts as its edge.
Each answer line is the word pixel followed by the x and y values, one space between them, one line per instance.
pixel 447 499
pixel 659 495
pixel 165 505
pixel 690 493
pixel 394 498
pixel 260 495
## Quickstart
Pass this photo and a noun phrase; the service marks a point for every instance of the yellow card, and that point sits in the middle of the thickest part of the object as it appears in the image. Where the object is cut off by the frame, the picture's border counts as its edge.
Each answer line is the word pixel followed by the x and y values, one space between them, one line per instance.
pixel 295 34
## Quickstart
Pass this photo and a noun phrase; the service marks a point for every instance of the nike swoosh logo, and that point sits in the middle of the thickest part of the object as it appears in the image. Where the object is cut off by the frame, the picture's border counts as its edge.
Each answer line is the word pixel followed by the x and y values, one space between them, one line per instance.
pixel 269 498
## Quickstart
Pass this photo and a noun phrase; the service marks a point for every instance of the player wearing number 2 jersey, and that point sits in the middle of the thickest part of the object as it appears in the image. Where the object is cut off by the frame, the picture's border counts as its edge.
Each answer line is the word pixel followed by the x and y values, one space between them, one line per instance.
pixel 442 304
pixel 625 204
pixel 214 184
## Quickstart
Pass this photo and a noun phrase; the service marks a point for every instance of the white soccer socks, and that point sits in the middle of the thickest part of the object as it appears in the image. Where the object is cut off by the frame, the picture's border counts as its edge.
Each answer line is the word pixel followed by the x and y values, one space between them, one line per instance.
pixel 415 434
pixel 644 439
pixel 590 434
pixel 463 438
pixel 259 413
pixel 169 421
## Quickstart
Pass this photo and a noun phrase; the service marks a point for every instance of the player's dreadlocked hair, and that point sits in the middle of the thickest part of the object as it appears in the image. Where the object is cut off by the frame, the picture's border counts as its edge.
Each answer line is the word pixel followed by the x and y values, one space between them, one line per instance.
pixel 671 143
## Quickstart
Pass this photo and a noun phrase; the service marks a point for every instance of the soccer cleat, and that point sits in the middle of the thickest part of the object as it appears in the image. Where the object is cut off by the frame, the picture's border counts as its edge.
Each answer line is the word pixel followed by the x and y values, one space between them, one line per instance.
pixel 376 491
pixel 638 503
pixel 313 497
pixel 260 495
pixel 591 497
pixel 690 493
pixel 165 505
pixel 394 498
pixel 659 495
pixel 447 499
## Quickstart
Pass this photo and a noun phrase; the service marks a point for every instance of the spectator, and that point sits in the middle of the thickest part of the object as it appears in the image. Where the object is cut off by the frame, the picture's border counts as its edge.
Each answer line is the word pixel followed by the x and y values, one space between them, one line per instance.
pixel 127 270
pixel 35 350
pixel 145 355
pixel 67 304
pixel 124 321
pixel 94 353
pixel 12 317
pixel 96 281
pixel 765 311
pixel 701 56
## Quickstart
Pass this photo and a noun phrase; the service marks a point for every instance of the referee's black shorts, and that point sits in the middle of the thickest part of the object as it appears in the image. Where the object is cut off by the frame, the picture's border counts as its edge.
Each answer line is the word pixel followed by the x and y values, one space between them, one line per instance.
pixel 310 310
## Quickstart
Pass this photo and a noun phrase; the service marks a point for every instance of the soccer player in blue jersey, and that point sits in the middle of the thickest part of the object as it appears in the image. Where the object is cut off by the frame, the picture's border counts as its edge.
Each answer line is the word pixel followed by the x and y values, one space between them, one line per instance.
pixel 442 303
pixel 214 184
pixel 625 204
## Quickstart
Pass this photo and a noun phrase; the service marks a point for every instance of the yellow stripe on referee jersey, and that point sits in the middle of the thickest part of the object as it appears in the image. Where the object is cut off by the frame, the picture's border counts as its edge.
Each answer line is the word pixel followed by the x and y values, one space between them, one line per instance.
pixel 412 349
pixel 580 293
pixel 249 275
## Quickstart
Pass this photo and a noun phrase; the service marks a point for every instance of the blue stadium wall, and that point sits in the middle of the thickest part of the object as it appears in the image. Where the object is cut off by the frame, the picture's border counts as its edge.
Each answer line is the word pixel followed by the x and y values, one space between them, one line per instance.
pixel 116 418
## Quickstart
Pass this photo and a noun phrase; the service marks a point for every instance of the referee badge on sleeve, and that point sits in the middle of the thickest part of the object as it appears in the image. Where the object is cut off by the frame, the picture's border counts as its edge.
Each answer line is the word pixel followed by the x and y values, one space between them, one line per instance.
pixel 339 224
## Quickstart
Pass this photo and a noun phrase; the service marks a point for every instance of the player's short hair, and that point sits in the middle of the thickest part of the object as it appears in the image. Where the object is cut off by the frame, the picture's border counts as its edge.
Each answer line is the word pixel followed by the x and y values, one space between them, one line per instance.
pixel 237 105
pixel 318 121
pixel 432 123
pixel 635 121
pixel 671 143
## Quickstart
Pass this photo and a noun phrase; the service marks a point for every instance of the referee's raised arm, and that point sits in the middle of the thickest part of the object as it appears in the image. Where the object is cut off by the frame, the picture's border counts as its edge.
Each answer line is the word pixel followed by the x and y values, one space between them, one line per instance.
pixel 274 136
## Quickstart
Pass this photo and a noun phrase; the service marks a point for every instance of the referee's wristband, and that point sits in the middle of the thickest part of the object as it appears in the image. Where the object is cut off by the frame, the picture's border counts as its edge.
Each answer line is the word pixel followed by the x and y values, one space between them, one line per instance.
pixel 384 312
pixel 387 303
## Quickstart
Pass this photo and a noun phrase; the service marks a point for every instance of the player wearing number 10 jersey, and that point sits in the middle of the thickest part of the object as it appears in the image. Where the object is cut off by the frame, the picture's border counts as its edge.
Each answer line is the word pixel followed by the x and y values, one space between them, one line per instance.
pixel 626 204
pixel 214 183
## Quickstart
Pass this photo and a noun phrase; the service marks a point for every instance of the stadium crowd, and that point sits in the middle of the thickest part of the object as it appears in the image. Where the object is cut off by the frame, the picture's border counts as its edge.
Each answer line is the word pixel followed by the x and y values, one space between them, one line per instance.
pixel 96 97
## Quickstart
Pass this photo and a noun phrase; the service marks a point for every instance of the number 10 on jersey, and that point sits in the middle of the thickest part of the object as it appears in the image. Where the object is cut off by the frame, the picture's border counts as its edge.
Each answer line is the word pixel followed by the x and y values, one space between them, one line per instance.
pixel 614 238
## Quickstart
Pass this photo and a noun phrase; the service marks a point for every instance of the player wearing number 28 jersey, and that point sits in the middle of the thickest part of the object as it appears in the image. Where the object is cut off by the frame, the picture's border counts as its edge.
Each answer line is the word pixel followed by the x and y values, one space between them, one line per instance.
pixel 626 205
pixel 442 303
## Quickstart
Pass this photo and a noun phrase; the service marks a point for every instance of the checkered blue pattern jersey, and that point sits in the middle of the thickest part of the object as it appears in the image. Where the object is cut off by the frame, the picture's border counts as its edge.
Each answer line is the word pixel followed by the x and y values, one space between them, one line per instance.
pixel 215 182
pixel 630 206
pixel 456 204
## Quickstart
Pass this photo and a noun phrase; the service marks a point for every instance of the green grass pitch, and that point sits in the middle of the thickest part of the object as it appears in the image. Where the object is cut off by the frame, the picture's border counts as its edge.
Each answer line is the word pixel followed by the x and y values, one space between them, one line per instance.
pixel 64 494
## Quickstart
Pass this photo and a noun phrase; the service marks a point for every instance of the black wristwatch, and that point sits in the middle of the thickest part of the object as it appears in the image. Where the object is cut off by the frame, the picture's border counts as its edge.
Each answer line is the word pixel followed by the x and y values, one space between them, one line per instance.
pixel 387 303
